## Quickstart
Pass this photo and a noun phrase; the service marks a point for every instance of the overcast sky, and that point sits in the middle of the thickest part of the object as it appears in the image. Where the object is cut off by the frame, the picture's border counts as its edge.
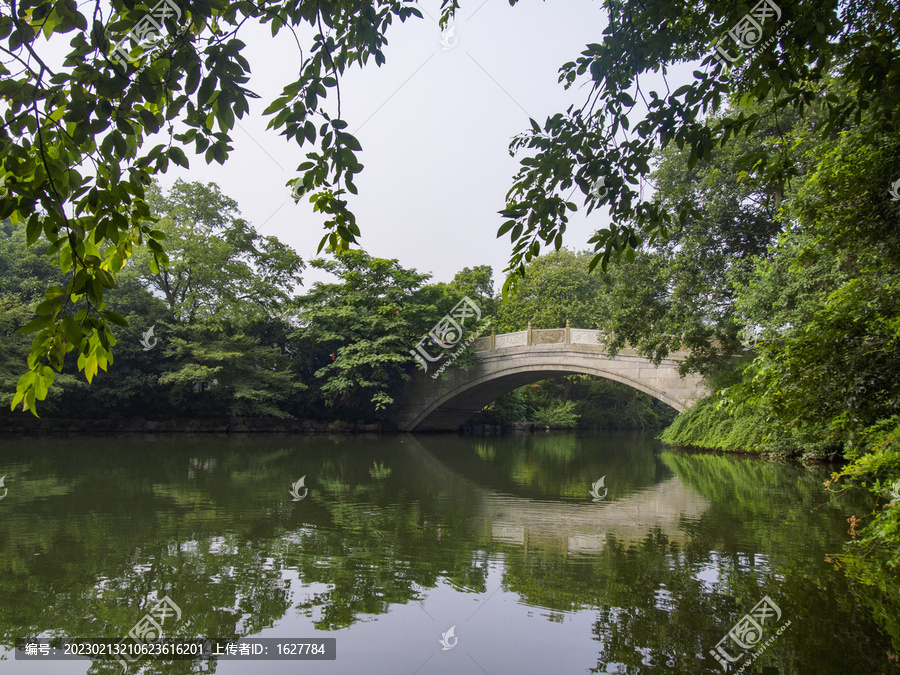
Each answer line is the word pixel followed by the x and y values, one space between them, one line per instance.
pixel 435 123
pixel 435 126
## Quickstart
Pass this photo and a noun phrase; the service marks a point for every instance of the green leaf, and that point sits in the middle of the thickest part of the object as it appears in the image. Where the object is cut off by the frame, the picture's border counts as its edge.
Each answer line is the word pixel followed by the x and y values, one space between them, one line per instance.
pixel 71 330
pixel 506 227
pixel 177 155
pixel 37 324
pixel 33 230
pixel 117 319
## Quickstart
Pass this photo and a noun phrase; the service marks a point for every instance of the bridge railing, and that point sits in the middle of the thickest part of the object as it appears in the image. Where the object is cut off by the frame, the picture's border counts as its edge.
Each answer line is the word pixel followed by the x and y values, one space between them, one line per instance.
pixel 539 336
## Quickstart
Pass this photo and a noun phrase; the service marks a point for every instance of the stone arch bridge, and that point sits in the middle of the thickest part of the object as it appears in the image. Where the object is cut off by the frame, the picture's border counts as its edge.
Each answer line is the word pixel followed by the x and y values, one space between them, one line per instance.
pixel 511 360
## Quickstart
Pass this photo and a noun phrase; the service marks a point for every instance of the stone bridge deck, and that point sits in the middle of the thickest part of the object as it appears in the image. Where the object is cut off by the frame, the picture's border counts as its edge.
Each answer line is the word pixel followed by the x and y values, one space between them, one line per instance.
pixel 511 360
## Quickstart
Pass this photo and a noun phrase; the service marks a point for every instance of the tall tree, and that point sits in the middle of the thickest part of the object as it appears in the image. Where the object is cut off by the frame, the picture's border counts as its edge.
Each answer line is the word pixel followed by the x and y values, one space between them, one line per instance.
pixel 830 298
pixel 558 287
pixel 229 290
pixel 782 55
pixel 680 294
pixel 356 333
pixel 222 368
pixel 218 265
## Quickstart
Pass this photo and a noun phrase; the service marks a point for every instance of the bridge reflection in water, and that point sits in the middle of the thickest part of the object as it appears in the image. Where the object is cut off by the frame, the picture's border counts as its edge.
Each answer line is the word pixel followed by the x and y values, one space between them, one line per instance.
pixel 569 526
pixel 577 528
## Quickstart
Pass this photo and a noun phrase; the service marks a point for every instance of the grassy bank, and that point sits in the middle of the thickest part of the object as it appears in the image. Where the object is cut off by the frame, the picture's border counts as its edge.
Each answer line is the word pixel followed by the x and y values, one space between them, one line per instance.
pixel 716 423
pixel 870 459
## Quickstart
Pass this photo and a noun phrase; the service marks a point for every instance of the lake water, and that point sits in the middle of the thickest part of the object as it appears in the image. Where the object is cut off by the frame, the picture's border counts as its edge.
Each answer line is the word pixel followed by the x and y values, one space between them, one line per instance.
pixel 391 541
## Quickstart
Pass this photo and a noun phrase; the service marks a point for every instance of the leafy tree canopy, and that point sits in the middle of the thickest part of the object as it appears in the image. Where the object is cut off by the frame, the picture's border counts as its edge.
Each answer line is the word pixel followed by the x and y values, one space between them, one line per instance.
pixel 804 44
pixel 218 264
pixel 220 367
pixel 558 287
pixel 476 283
pixel 78 143
pixel 680 295
pixel 356 333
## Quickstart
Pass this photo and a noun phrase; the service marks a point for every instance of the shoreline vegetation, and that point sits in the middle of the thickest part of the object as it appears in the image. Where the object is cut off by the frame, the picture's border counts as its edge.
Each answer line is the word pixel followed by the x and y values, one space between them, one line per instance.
pixel 867 459
pixel 21 424
pixel 29 425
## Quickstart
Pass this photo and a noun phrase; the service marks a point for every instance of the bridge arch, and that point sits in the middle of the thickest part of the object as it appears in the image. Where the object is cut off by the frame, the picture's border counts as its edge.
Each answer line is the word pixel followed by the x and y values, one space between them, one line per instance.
pixel 512 360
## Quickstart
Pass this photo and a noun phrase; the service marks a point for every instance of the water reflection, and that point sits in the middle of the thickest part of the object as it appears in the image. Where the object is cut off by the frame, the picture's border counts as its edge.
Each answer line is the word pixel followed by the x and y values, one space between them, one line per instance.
pixel 641 496
pixel 400 538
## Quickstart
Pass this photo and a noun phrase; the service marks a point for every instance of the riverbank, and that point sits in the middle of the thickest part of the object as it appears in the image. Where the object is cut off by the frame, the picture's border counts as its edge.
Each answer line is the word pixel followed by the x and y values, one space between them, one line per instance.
pixel 710 425
pixel 869 459
pixel 27 424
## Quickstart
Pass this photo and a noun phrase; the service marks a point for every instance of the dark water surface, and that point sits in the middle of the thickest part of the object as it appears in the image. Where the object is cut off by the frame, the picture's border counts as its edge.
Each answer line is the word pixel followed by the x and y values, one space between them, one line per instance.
pixel 400 538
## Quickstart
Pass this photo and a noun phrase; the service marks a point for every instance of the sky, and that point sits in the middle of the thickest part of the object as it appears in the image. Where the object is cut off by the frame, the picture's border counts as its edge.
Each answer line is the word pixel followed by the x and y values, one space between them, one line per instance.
pixel 434 123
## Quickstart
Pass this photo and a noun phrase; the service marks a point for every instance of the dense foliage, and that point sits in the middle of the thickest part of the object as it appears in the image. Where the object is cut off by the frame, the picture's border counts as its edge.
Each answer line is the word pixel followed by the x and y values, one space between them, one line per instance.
pixel 578 401
pixel 79 142
pixel 75 161
pixel 785 65
pixel 356 334
pixel 222 330
pixel 558 288
pixel 819 378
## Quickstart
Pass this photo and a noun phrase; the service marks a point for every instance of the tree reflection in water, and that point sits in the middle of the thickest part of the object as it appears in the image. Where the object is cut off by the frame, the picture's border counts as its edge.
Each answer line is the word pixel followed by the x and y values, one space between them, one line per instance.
pixel 682 546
